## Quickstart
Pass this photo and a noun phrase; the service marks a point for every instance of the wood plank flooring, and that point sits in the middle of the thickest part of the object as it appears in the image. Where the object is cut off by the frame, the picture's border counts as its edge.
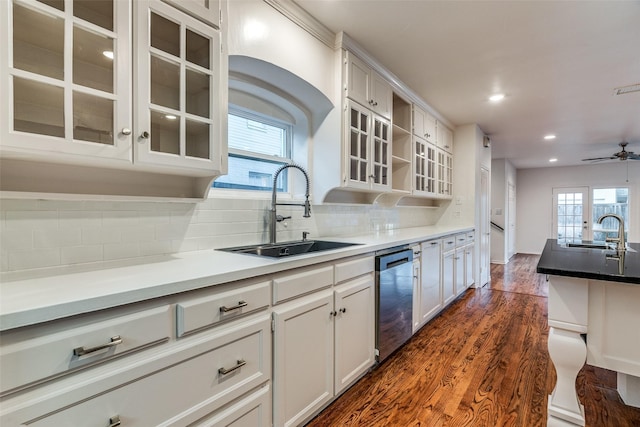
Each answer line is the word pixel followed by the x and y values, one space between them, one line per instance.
pixel 483 362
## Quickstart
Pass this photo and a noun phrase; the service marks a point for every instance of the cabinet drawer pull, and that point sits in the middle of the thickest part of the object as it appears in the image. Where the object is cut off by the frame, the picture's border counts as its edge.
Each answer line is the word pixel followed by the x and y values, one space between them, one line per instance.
pixel 225 371
pixel 81 351
pixel 114 421
pixel 434 243
pixel 225 309
pixel 417 253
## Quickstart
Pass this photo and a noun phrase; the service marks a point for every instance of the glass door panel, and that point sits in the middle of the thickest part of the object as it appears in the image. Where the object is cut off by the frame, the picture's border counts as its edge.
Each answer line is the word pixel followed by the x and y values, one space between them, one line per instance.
pixel 98 12
pixel 38 108
pixel 92 60
pixel 605 201
pixel 38 42
pixel 358 146
pixel 92 118
pixel 570 214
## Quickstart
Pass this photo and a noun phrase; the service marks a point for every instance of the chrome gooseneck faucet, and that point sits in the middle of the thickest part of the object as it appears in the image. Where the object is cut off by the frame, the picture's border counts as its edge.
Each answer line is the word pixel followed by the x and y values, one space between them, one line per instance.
pixel 275 218
pixel 620 240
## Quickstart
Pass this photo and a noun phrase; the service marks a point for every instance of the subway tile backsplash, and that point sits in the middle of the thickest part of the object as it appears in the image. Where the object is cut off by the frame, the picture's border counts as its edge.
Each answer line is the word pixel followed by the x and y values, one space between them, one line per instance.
pixel 39 234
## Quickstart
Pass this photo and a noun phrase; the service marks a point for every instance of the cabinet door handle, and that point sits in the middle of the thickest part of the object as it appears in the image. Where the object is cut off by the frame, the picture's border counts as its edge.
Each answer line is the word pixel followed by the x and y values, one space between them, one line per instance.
pixel 225 309
pixel 333 313
pixel 417 253
pixel 126 131
pixel 144 135
pixel 343 310
pixel 81 351
pixel 225 371
pixel 114 421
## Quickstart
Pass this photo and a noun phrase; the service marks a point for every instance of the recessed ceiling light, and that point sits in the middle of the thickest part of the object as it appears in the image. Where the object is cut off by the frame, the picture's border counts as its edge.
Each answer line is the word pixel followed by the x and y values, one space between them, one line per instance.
pixel 170 117
pixel 497 97
pixel 549 137
pixel 553 160
pixel 108 54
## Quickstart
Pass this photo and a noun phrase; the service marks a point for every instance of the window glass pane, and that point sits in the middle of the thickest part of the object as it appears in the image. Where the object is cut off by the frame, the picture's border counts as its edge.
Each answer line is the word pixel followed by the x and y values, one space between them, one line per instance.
pixel 252 174
pixel 38 42
pixel 255 148
pixel 251 135
pixel 91 67
pixel 614 201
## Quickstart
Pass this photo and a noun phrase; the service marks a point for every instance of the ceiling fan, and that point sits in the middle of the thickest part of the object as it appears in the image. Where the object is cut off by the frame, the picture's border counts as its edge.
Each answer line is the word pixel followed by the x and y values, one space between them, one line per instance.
pixel 620 155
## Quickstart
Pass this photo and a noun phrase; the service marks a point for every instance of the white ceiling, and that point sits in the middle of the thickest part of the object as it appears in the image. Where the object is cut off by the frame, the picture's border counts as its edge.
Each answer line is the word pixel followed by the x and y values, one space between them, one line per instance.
pixel 557 62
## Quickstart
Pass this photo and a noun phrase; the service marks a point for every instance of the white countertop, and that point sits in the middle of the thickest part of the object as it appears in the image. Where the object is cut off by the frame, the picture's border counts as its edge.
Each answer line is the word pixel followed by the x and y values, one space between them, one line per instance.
pixel 30 300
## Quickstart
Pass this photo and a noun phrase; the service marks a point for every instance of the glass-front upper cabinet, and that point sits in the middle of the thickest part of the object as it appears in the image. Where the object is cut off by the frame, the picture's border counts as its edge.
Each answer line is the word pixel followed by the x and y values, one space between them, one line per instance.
pixel 178 79
pixel 65 73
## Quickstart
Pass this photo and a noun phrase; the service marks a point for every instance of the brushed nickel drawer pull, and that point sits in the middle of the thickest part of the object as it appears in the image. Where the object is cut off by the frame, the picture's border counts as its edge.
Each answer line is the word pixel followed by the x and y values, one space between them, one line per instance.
pixel 225 309
pixel 81 351
pixel 225 371
pixel 114 421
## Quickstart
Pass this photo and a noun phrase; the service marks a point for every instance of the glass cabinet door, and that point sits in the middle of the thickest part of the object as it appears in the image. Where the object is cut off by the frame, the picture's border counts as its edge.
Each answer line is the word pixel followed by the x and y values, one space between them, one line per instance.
pixel 381 146
pixel 178 72
pixel 66 76
pixel 359 122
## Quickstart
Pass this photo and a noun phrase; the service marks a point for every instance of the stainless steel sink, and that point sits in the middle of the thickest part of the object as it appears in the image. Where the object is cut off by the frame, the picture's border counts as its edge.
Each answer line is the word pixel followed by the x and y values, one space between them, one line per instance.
pixel 279 250
pixel 588 245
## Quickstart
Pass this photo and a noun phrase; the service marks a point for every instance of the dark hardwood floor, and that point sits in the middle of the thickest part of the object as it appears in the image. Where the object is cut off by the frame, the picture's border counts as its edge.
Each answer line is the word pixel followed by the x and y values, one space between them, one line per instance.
pixel 483 362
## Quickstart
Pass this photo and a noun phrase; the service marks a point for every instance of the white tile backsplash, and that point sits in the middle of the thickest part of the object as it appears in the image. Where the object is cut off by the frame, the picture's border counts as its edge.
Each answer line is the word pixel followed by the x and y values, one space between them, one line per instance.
pixel 37 234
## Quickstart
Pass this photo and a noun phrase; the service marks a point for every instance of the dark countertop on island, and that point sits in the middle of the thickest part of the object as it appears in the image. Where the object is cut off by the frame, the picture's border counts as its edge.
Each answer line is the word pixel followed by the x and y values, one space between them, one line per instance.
pixel 589 263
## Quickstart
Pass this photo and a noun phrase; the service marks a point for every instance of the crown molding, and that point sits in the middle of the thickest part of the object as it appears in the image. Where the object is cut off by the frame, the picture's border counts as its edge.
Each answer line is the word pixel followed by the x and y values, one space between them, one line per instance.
pixel 304 20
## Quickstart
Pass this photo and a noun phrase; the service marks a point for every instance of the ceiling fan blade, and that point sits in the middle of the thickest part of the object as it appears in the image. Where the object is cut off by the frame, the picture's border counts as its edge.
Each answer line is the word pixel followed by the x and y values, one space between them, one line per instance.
pixel 632 156
pixel 599 159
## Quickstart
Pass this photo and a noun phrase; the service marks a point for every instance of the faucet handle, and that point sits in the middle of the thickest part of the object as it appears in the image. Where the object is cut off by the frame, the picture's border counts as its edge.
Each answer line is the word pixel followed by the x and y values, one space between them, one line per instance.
pixel 281 218
pixel 305 234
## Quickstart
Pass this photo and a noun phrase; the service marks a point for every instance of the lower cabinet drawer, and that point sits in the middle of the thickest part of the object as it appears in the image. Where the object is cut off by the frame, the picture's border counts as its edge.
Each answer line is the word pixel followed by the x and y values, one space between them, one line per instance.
pixel 183 393
pixel 253 410
pixel 28 358
pixel 306 281
pixel 199 313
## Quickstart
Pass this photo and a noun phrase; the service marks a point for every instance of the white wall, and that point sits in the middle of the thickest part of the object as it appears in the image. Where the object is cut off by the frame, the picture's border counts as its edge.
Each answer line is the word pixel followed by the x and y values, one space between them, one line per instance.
pixel 502 174
pixel 534 197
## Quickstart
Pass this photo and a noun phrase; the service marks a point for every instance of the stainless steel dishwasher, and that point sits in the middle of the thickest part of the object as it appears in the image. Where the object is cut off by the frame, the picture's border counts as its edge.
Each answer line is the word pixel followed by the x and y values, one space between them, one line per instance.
pixel 394 300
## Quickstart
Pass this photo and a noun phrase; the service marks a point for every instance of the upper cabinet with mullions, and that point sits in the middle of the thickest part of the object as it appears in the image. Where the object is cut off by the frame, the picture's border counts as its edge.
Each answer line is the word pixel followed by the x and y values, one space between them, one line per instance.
pixel 86 88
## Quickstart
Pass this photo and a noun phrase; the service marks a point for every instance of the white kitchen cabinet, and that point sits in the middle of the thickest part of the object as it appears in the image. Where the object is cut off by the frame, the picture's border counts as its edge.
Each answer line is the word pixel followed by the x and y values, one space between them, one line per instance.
pixel 424 164
pixel 445 173
pixel 368 149
pixel 354 330
pixel 363 85
pixel 444 137
pixel 469 260
pixel 430 289
pixel 459 275
pixel 303 357
pixel 34 355
pixel 448 270
pixel 205 10
pixel 68 69
pixel 424 125
pixel 177 386
pixel 323 342
pixel 417 282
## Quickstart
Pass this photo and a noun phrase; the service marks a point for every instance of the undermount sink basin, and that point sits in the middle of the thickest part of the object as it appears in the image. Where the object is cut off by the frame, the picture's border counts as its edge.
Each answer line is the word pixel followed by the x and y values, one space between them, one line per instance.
pixel 588 245
pixel 279 250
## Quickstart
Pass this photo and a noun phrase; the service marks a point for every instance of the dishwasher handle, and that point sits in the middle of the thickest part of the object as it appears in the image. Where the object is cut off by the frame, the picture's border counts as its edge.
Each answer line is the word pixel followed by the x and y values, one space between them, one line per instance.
pixel 388 261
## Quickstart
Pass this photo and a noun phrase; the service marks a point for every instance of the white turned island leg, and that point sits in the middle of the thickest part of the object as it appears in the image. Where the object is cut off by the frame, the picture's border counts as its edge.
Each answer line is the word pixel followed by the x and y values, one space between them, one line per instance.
pixel 568 353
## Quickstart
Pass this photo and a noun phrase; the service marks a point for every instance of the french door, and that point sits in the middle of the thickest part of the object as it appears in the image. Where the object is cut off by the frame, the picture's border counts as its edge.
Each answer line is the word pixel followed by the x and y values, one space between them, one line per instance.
pixel 571 214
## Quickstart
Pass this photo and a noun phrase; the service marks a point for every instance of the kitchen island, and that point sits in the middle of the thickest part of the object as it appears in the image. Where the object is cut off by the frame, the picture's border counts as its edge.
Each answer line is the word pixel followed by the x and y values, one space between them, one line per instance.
pixel 594 316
